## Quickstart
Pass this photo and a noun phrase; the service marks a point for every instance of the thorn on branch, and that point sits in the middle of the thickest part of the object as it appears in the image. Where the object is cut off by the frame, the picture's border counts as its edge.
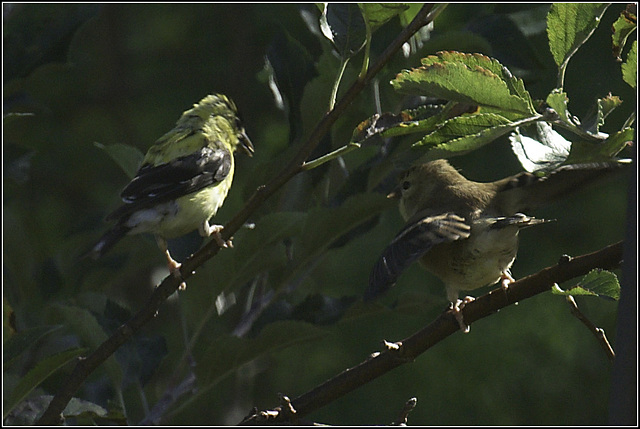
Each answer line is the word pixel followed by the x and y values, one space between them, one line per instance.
pixel 286 406
pixel 398 351
pixel 392 346
pixel 564 259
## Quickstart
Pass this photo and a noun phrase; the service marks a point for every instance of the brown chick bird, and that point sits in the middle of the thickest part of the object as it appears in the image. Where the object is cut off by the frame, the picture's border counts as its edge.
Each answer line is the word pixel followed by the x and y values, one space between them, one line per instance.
pixel 466 232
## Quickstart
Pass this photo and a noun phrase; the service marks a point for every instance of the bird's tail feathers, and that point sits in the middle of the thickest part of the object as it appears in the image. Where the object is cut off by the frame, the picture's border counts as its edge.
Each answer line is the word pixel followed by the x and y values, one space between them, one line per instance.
pixel 107 241
pixel 527 191
pixel 519 219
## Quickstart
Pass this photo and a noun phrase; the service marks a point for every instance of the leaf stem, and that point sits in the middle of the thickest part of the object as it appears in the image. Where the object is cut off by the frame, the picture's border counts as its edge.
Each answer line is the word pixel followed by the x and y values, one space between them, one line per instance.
pixel 367 52
pixel 330 156
pixel 336 84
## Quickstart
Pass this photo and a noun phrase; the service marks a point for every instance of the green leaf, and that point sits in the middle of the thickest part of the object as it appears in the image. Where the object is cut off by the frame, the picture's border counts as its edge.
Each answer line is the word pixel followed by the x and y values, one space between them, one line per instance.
pixel 37 36
pixel 26 412
pixel 470 60
pixel 463 134
pixel 544 151
pixel 606 106
pixel 597 282
pixel 291 67
pixel 38 374
pixel 87 410
pixel 21 341
pixel 228 353
pixel 584 152
pixel 603 283
pixel 471 84
pixel 594 121
pixel 463 126
pixel 324 225
pixel 420 120
pixel 263 248
pixel 630 67
pixel 558 101
pixel 569 25
pixel 473 61
pixel 127 157
pixel 344 26
pixel 624 25
pixel 85 325
pixel 377 14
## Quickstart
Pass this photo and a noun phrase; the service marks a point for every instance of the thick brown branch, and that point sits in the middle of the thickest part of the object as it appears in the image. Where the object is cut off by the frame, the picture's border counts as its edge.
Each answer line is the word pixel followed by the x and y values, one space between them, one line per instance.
pixel 407 350
pixel 53 413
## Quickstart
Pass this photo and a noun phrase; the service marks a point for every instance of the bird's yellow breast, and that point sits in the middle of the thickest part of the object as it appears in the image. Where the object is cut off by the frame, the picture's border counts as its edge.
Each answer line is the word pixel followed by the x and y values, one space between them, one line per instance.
pixel 187 213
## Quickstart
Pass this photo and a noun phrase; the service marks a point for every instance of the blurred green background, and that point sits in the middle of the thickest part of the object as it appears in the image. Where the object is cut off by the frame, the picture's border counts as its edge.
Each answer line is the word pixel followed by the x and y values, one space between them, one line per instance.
pixel 121 74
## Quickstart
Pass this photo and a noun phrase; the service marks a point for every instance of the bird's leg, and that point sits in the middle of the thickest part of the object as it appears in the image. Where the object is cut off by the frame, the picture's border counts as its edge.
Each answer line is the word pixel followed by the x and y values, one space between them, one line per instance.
pixel 174 266
pixel 207 230
pixel 456 307
pixel 505 279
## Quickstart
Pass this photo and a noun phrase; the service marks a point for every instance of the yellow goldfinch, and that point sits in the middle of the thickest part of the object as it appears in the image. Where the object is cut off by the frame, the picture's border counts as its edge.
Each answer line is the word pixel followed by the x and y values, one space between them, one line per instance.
pixel 466 232
pixel 183 180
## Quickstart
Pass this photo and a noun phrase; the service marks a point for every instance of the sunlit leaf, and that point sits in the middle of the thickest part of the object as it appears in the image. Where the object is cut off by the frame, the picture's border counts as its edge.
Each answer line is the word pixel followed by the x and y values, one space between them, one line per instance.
pixel 569 25
pixel 343 24
pixel 624 25
pixel 378 14
pixel 595 119
pixel 559 102
pixel 423 119
pixel 475 61
pixel 543 151
pixel 630 67
pixel 599 283
pixel 459 82
pixel 585 152
pixel 465 133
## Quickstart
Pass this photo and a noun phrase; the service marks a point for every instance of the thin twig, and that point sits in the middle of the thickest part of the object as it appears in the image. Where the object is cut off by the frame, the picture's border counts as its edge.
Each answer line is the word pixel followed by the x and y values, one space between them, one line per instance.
pixel 597 332
pixel 408 407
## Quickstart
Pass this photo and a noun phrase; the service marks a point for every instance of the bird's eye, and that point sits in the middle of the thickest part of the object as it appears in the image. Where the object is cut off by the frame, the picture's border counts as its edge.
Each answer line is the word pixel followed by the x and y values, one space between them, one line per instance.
pixel 406 185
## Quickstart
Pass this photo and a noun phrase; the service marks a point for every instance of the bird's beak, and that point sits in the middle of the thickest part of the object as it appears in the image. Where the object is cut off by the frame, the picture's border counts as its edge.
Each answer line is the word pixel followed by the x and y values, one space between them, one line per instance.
pixel 245 141
pixel 394 194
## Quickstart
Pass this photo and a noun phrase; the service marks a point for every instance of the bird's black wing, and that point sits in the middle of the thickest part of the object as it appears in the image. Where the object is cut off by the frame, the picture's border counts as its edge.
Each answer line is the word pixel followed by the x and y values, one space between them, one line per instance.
pixel 155 184
pixel 415 239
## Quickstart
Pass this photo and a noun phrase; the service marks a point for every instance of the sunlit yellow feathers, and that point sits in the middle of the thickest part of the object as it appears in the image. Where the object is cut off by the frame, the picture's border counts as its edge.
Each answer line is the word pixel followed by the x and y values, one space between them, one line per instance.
pixel 184 177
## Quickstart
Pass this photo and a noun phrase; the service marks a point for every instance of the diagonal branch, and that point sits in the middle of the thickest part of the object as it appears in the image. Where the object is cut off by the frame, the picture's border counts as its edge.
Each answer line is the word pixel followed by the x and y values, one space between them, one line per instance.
pixel 53 414
pixel 407 350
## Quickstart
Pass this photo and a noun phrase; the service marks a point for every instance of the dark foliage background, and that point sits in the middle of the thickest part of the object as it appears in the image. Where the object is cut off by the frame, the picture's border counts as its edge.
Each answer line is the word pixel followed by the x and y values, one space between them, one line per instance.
pixel 123 73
